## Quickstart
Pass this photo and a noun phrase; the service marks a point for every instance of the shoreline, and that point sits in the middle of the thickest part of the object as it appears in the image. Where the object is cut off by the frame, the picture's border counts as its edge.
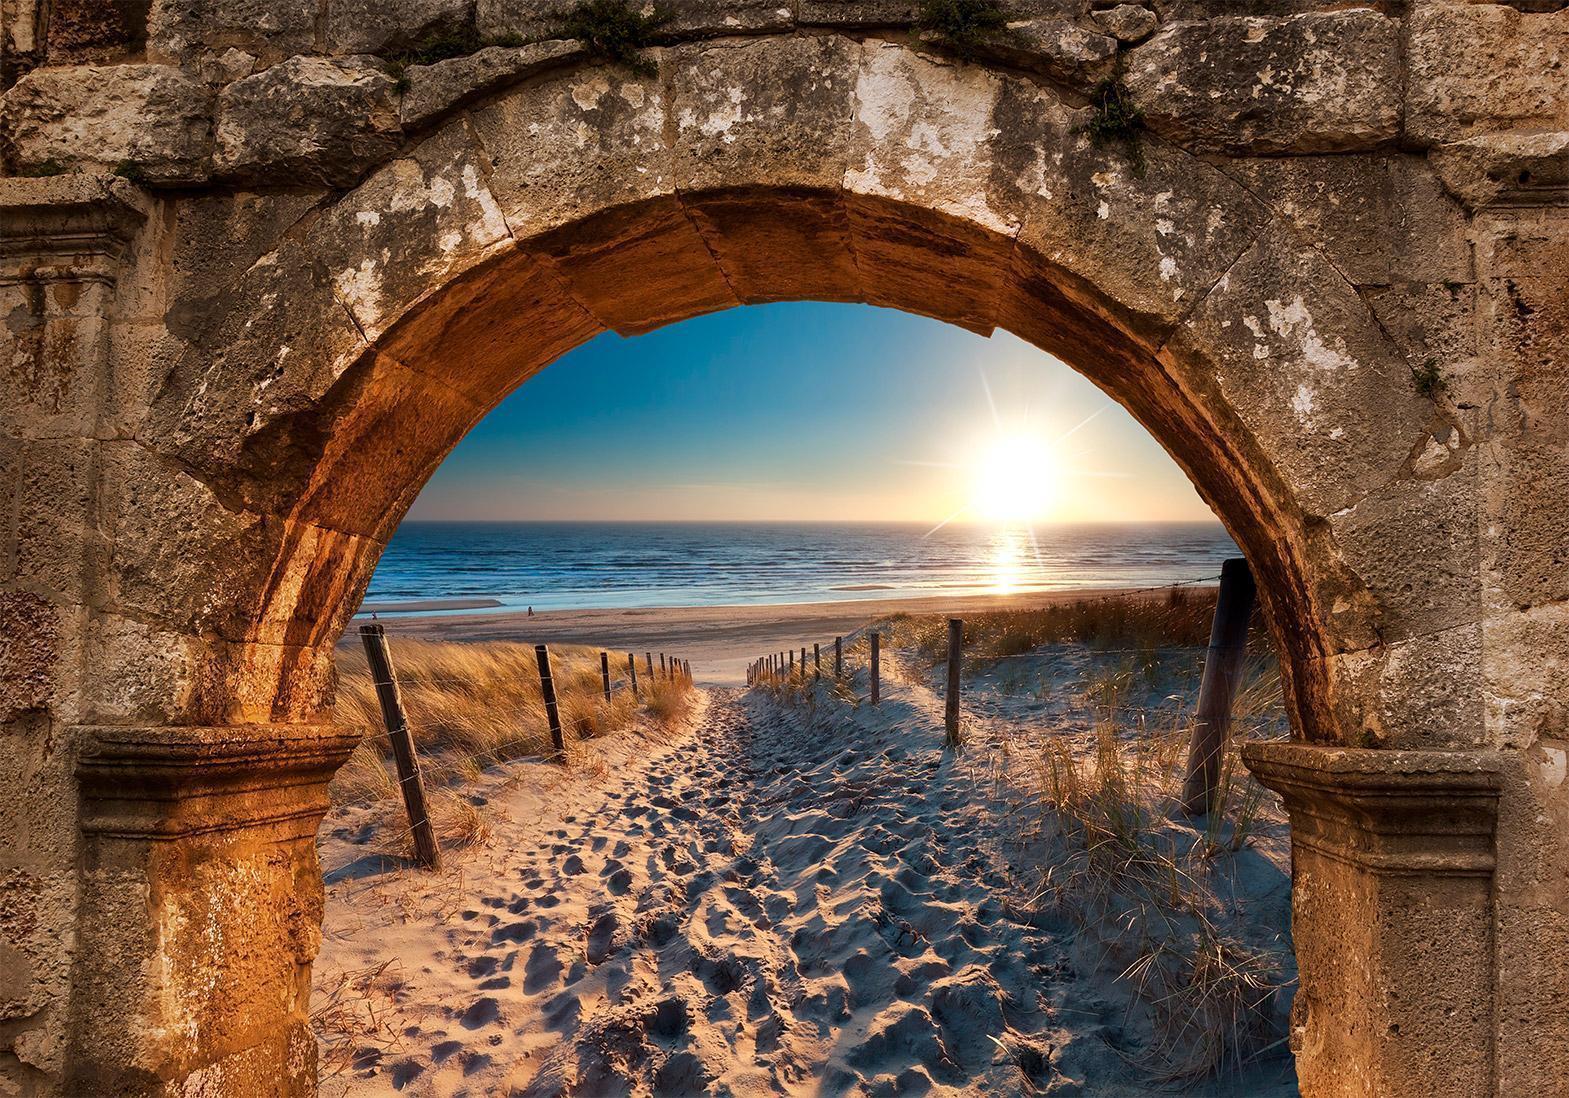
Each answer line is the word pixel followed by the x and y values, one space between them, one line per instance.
pixel 720 641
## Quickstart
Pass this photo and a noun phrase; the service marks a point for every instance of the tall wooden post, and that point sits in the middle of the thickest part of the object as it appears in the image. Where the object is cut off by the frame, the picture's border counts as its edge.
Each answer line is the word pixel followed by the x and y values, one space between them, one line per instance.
pixel 663 673
pixel 649 656
pixel 604 674
pixel 951 702
pixel 1228 645
pixel 410 780
pixel 838 657
pixel 803 663
pixel 817 662
pixel 877 648
pixel 632 673
pixel 547 688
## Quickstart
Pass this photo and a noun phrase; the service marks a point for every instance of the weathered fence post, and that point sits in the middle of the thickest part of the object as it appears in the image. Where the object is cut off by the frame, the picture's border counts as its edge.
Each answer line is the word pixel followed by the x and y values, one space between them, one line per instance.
pixel 649 656
pixel 410 780
pixel 604 674
pixel 1228 645
pixel 877 648
pixel 817 662
pixel 803 663
pixel 632 673
pixel 951 706
pixel 547 688
pixel 838 657
pixel 664 674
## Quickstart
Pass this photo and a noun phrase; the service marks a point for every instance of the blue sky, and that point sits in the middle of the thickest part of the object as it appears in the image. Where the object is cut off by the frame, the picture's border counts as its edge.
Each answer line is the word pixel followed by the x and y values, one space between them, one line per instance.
pixel 804 411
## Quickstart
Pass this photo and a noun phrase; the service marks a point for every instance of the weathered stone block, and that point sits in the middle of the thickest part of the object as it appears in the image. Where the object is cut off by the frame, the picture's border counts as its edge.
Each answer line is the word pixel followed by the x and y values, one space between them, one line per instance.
pixel 1379 219
pixel 150 121
pixel 435 90
pixel 503 320
pixel 858 13
pixel 1527 167
pixel 1479 67
pixel 50 382
pixel 56 541
pixel 921 130
pixel 372 26
pixel 563 146
pixel 308 120
pixel 1060 48
pixel 186 30
pixel 1325 82
pixel 413 225
pixel 1127 22
pixel 530 20
pixel 1298 357
pixel 95 30
pixel 1142 239
pixel 776 111
pixel 31 635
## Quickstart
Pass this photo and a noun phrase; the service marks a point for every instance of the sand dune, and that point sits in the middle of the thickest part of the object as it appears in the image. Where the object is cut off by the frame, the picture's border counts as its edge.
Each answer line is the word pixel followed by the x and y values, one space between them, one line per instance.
pixel 776 903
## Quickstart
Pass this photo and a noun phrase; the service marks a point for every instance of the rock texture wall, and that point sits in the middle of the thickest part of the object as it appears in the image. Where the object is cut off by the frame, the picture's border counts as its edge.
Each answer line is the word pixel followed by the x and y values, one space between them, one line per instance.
pixel 265 262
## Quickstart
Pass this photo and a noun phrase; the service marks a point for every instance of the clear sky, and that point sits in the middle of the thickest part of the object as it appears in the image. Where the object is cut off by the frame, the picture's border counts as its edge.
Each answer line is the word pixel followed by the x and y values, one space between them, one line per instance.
pixel 809 411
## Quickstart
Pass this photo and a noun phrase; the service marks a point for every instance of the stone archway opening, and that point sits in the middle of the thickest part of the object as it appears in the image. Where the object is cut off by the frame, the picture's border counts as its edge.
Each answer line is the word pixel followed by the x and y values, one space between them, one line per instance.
pixel 255 368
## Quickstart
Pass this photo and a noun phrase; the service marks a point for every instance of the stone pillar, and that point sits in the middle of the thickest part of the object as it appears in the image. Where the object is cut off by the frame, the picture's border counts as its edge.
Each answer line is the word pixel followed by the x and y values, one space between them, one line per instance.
pixel 200 908
pixel 1392 916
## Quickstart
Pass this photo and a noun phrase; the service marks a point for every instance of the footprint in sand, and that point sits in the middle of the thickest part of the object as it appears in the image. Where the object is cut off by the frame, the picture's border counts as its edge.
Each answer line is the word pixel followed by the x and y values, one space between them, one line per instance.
pixel 481 1012
pixel 601 937
pixel 542 969
pixel 572 865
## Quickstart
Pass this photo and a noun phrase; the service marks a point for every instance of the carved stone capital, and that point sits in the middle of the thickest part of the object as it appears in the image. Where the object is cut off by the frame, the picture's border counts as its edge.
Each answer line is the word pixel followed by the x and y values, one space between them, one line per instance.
pixel 66 228
pixel 1393 916
pixel 1423 812
pixel 172 782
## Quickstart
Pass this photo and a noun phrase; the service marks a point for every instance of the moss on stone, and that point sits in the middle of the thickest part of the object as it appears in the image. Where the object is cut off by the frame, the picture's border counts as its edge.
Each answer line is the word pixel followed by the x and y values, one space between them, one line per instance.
pixel 615 30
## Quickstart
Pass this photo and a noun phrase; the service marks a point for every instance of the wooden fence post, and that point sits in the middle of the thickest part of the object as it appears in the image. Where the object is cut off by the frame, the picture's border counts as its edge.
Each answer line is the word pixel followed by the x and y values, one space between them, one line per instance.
pixel 951 706
pixel 649 656
pixel 877 647
pixel 410 780
pixel 662 672
pixel 632 673
pixel 1228 646
pixel 604 674
pixel 547 688
pixel 838 657
pixel 803 663
pixel 817 662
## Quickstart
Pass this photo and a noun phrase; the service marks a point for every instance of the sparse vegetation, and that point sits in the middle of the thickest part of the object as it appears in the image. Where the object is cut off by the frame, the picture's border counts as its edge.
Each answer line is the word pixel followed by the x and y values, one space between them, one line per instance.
pixel 1116 118
pixel 963 25
pixel 442 44
pixel 1427 378
pixel 1146 887
pixel 616 30
pixel 471 706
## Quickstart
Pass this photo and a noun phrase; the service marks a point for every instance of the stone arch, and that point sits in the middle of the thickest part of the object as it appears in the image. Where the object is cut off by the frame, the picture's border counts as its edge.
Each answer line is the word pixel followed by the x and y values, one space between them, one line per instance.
pixel 296 344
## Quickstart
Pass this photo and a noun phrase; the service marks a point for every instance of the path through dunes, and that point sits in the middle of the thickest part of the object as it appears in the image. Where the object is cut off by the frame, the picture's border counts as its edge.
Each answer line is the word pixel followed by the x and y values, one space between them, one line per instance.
pixel 761 907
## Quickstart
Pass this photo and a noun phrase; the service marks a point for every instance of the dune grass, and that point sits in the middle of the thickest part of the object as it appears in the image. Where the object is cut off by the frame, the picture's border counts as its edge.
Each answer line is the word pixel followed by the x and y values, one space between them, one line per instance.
pixel 1146 884
pixel 1176 618
pixel 471 706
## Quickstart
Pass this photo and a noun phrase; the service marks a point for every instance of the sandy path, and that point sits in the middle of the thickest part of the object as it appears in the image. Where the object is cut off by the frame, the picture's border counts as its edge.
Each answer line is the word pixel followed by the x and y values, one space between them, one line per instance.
pixel 719 640
pixel 757 910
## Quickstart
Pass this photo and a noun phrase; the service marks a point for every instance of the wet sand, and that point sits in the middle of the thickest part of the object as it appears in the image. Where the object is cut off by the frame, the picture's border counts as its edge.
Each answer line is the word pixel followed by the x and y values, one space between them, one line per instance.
pixel 719 641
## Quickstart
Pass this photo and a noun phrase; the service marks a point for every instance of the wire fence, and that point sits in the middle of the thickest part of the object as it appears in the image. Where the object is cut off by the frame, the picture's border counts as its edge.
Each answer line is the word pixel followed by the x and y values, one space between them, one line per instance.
pixel 606 697
pixel 1223 659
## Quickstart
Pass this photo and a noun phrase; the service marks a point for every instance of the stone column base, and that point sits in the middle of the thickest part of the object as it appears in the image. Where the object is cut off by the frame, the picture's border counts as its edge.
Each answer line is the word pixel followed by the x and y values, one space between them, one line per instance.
pixel 1392 901
pixel 200 908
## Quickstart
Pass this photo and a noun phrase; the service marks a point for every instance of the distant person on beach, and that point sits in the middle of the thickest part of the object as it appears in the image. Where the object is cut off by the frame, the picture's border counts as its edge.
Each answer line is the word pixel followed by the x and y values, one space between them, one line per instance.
pixel 531 611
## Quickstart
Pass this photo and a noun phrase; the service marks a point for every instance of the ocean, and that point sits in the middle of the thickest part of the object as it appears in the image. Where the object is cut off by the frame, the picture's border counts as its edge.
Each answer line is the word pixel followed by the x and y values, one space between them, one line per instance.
pixel 600 565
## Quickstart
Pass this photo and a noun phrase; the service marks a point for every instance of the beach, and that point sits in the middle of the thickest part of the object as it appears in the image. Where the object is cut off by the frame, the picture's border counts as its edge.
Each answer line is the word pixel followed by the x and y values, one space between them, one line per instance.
pixel 719 641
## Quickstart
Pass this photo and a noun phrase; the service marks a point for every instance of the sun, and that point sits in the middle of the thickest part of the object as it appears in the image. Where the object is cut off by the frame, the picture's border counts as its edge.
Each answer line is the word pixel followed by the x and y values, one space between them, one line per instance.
pixel 1017 479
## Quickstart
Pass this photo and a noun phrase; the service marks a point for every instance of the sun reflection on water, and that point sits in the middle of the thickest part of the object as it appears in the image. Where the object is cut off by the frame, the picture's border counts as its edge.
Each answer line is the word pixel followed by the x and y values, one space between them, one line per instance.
pixel 1010 553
